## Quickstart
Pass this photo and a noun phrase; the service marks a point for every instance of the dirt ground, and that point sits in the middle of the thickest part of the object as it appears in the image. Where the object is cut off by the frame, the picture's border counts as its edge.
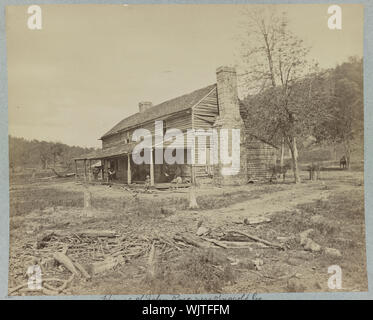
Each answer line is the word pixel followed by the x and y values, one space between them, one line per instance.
pixel 149 230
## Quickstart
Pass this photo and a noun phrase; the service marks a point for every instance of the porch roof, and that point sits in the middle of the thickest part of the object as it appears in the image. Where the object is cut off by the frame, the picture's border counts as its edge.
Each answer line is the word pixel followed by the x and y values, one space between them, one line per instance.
pixel 108 152
pixel 121 149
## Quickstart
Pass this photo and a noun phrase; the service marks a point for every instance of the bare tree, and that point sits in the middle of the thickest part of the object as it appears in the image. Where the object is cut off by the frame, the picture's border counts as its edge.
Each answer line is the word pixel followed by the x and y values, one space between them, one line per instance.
pixel 277 69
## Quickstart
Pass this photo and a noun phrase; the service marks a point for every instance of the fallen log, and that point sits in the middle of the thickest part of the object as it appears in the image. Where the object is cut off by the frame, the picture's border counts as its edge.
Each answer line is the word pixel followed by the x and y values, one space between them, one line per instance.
pixel 66 262
pixel 97 233
pixel 82 270
pixel 255 220
pixel 166 241
pixel 47 235
pixel 216 242
pixel 152 261
pixel 268 243
pixel 188 240
pixel 107 264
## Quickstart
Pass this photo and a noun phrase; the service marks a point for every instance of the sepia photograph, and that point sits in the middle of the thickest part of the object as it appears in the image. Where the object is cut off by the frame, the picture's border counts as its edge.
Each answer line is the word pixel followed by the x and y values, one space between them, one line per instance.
pixel 185 149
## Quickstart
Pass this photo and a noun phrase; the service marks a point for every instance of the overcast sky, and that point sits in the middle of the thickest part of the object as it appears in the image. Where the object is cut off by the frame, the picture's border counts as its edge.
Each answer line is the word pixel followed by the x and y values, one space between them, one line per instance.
pixel 90 65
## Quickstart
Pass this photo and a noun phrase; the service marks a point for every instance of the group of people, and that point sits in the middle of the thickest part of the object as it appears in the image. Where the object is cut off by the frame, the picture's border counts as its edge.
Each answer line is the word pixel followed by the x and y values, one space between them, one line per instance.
pixel 110 173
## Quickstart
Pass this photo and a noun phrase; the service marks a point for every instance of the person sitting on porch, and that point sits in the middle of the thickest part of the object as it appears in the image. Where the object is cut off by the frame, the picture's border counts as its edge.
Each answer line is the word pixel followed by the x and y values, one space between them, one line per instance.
pixel 95 173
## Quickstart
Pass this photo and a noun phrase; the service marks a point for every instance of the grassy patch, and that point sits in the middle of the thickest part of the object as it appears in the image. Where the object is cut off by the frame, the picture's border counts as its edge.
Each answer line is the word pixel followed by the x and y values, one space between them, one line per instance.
pixel 26 200
pixel 337 223
pixel 196 271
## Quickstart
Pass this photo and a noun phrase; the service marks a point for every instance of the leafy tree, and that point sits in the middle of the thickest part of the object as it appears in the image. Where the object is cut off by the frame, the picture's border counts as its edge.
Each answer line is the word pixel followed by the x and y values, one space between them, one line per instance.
pixel 287 87
pixel 345 121
pixel 24 153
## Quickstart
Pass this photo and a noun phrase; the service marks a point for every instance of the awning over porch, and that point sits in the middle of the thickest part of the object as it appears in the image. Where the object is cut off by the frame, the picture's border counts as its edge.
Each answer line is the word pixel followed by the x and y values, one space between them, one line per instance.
pixel 108 152
pixel 127 148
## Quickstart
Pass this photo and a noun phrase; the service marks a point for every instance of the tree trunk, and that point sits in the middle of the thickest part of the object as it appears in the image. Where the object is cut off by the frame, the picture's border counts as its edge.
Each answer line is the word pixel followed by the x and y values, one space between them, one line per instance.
pixel 295 148
pixel 294 157
pixel 282 152
pixel 335 152
pixel 348 153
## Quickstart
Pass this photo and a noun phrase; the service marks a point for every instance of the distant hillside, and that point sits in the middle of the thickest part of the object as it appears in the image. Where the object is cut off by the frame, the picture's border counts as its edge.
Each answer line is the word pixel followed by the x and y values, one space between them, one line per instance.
pixel 41 154
pixel 336 130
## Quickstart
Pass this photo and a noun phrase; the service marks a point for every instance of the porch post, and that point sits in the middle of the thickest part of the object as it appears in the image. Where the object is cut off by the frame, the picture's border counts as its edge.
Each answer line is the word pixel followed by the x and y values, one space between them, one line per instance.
pixel 85 170
pixel 151 168
pixel 128 169
pixel 90 170
pixel 76 170
pixel 104 169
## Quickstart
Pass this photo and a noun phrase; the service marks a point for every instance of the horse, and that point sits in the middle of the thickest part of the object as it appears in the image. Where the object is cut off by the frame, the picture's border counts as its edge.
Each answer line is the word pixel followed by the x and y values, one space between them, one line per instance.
pixel 279 170
pixel 343 162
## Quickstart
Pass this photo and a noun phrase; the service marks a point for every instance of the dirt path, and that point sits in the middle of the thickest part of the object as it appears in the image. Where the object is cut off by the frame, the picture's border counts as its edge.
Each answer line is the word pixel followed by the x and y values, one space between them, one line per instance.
pixel 265 205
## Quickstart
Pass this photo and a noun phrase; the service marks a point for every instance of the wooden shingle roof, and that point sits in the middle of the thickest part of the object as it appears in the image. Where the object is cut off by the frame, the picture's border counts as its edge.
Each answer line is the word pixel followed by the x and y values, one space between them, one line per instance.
pixel 108 152
pixel 168 107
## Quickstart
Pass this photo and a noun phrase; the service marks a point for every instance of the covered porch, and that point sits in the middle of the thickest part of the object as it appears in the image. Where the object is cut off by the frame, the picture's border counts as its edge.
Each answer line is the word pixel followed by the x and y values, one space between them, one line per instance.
pixel 94 168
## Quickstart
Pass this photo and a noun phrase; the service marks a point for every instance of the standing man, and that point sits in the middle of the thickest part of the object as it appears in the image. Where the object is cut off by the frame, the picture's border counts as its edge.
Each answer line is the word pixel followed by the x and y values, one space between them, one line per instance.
pixel 111 174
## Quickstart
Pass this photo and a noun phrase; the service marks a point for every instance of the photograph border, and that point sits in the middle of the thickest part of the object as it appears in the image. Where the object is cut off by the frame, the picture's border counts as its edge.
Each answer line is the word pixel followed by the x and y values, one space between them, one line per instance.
pixel 368 159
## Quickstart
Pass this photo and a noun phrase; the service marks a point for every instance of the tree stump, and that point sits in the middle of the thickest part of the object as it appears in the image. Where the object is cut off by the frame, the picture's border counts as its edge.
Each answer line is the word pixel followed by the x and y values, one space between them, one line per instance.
pixel 87 202
pixel 192 199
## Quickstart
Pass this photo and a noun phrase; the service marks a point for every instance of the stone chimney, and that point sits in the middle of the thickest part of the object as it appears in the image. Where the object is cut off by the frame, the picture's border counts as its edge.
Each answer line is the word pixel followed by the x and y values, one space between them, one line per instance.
pixel 229 107
pixel 145 105
pixel 230 118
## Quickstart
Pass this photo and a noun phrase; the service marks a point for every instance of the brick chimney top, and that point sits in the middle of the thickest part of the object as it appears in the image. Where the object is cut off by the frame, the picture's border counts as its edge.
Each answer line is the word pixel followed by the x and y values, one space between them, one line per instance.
pixel 143 106
pixel 226 79
pixel 225 69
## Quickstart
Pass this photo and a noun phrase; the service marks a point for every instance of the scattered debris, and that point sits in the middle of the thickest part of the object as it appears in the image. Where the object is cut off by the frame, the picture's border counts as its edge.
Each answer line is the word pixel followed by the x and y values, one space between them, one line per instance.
pixel 66 262
pixel 332 252
pixel 268 243
pixel 168 211
pixel 295 285
pixel 188 240
pixel 201 231
pixel 216 242
pixel 151 261
pixel 258 264
pixel 107 264
pixel 311 245
pixel 317 219
pixel 233 261
pixel 255 220
pixel 303 236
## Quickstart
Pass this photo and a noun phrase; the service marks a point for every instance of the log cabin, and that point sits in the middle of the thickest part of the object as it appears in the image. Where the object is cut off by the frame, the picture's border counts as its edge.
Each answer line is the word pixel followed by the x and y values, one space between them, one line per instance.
pixel 216 106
